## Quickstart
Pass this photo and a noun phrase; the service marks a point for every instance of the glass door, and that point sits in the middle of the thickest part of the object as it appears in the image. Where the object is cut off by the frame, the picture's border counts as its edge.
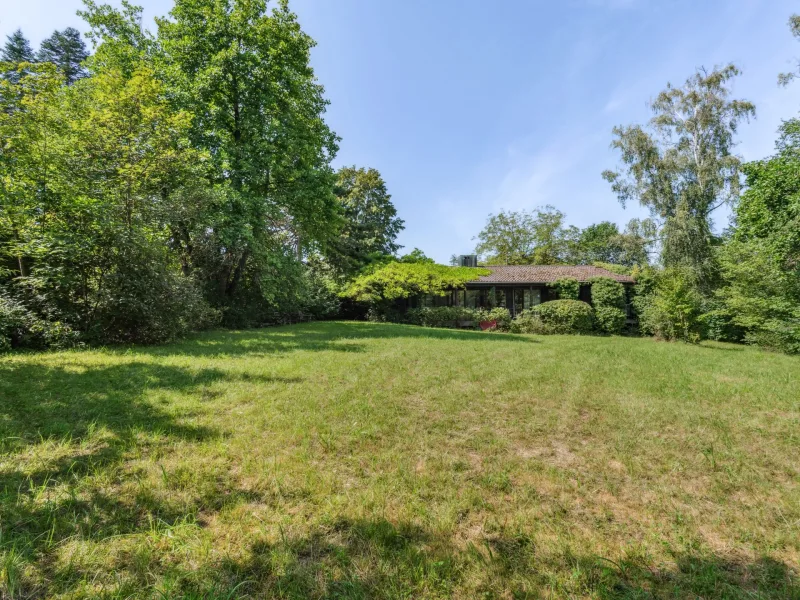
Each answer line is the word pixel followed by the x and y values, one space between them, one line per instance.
pixel 519 301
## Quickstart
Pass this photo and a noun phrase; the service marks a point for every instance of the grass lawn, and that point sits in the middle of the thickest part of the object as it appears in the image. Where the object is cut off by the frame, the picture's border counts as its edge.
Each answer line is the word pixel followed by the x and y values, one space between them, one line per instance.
pixel 358 460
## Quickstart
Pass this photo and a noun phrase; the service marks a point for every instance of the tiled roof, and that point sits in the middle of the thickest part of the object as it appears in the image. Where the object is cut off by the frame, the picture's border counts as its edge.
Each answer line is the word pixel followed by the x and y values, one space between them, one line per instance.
pixel 546 274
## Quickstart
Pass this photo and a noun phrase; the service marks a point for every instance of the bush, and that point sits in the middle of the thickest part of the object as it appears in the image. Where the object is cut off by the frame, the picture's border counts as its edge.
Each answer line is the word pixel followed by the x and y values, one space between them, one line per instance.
pixel 609 319
pixel 608 297
pixel 500 315
pixel 443 316
pixel 567 288
pixel 21 328
pixel 563 316
pixel 146 301
pixel 320 294
pixel 669 305
pixel 453 316
pixel 719 323
pixel 529 322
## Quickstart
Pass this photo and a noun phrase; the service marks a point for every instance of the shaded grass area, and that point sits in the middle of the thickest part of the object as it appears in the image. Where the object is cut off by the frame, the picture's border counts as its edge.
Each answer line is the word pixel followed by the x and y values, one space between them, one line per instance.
pixel 357 460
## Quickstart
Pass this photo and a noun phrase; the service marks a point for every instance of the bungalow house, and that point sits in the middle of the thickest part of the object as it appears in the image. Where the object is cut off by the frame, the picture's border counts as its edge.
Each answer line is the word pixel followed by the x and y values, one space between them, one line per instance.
pixel 519 287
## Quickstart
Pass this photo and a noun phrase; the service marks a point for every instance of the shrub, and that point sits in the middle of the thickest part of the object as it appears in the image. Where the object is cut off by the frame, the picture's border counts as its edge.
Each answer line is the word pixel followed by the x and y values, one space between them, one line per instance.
pixel 609 319
pixel 443 316
pixel 529 322
pixel 21 328
pixel 567 288
pixel 565 316
pixel 500 315
pixel 760 296
pixel 147 303
pixel 320 294
pixel 719 323
pixel 452 316
pixel 608 297
pixel 669 306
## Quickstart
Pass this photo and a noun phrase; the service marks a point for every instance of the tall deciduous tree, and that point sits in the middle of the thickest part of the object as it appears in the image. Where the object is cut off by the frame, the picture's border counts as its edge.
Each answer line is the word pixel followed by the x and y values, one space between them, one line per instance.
pixel 537 237
pixel 31 127
pixel 682 166
pixel 66 50
pixel 243 72
pixel 604 242
pixel 370 224
pixel 761 262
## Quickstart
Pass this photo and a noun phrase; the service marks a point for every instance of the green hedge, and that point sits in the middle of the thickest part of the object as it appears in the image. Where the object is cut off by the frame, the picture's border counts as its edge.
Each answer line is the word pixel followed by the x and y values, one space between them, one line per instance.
pixel 608 297
pixel 566 288
pixel 453 316
pixel 558 316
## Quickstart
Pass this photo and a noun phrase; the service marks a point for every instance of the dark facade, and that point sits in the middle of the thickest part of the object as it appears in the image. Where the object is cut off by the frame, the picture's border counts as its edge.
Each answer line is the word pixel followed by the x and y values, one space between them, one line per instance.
pixel 520 287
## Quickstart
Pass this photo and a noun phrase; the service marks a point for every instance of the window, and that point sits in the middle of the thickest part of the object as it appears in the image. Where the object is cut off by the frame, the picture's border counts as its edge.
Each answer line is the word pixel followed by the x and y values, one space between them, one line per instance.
pixel 472 298
pixel 500 299
pixel 533 297
pixel 519 299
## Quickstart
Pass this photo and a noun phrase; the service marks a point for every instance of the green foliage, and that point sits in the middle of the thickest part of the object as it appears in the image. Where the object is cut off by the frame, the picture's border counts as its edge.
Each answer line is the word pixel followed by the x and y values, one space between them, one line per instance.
pixel 16 52
pixel 144 300
pixel 669 305
pixel 404 280
pixel 561 316
pixel 84 222
pixel 608 298
pixel 500 315
pixel 761 294
pixel 527 321
pixel 456 316
pixel 537 237
pixel 684 168
pixel 21 328
pixel 604 243
pixel 566 288
pixel 369 225
pixel 66 50
pixel 182 178
pixel 444 316
pixel 319 293
pixel 541 237
pixel 760 265
pixel 243 72
pixel 416 256
pixel 618 269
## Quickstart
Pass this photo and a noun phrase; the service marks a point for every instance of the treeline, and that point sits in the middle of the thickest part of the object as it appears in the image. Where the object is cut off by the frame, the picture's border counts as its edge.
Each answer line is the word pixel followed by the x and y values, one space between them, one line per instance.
pixel 740 285
pixel 542 237
pixel 174 180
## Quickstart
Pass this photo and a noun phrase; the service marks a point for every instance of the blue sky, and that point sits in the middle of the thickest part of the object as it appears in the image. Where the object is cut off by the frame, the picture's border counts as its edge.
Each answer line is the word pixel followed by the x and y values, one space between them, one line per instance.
pixel 468 107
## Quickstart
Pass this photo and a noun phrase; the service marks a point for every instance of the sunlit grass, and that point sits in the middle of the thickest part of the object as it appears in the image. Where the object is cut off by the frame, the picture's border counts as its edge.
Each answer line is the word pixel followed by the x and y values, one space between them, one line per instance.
pixel 356 460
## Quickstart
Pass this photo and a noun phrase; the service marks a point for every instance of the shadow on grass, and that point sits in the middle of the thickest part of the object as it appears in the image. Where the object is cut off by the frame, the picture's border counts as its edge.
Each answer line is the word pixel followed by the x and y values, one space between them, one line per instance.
pixel 45 401
pixel 66 434
pixel 333 336
pixel 363 558
pixel 694 576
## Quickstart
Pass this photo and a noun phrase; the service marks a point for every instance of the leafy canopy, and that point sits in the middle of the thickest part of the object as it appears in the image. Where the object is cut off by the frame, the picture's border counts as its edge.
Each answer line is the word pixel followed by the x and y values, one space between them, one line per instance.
pixel 369 225
pixel 536 237
pixel 404 280
pixel 682 166
pixel 761 263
